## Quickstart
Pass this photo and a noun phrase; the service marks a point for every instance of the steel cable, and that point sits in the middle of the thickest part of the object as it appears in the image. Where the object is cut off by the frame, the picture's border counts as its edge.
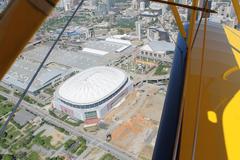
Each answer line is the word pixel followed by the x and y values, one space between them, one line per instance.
pixel 201 79
pixel 3 128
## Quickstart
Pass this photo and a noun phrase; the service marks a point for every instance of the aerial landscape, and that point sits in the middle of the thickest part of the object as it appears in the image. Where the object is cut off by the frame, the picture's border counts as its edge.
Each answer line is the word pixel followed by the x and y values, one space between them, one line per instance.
pixel 100 94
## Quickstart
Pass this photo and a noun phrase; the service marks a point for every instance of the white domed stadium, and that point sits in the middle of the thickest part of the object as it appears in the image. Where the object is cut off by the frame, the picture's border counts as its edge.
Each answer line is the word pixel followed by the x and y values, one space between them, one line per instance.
pixel 92 93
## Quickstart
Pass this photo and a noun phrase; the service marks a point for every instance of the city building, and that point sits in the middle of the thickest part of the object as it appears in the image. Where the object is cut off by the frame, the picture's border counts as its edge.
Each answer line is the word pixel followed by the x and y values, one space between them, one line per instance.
pixel 104 47
pixel 223 9
pixel 157 34
pixel 4 2
pixel 66 4
pixel 157 6
pixel 80 33
pixel 225 13
pixel 232 11
pixel 21 73
pixel 22 117
pixel 142 6
pixel 155 51
pixel 135 4
pixel 93 3
pixel 92 93
pixel 101 9
pixel 147 3
pixel 138 30
pixel 181 1
pixel 109 3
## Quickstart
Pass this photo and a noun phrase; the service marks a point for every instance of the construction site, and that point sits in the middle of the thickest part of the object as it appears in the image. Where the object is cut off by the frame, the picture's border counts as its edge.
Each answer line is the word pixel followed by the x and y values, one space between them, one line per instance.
pixel 133 125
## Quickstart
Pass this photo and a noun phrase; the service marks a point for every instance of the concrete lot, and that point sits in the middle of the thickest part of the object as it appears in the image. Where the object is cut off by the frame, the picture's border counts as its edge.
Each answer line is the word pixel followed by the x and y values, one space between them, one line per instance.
pixel 79 59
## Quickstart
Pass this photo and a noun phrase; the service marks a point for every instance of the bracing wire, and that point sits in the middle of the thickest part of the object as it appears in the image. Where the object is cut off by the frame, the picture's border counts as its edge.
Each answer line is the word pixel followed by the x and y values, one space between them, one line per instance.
pixel 3 128
pixel 203 51
pixel 200 83
pixel 200 21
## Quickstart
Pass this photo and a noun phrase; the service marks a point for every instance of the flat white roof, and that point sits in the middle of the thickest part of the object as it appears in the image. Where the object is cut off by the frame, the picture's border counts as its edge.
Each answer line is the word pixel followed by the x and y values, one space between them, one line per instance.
pixel 158 46
pixel 116 40
pixel 91 85
pixel 95 51
pixel 122 48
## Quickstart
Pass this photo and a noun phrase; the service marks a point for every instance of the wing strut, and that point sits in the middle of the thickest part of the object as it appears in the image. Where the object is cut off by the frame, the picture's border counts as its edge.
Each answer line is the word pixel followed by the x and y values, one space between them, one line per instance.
pixel 237 9
pixel 18 23
pixel 178 19
pixel 3 128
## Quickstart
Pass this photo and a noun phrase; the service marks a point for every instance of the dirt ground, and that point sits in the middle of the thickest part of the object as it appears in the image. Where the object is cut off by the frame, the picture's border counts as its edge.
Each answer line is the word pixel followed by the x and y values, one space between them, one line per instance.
pixel 57 137
pixel 146 153
pixel 132 134
pixel 135 122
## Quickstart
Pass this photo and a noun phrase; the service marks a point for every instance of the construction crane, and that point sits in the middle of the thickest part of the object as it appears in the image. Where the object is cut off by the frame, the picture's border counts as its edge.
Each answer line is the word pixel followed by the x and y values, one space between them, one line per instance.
pixel 201 114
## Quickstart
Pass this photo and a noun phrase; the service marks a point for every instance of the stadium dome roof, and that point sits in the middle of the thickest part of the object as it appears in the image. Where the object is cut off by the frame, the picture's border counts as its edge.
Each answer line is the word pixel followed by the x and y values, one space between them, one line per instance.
pixel 92 85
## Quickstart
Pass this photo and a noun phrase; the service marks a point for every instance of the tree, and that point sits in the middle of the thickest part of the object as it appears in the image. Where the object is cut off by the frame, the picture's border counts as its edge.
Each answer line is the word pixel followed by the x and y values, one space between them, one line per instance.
pixel 69 143
pixel 108 156
pixel 8 157
pixel 120 31
pixel 21 155
pixel 55 158
pixel 33 156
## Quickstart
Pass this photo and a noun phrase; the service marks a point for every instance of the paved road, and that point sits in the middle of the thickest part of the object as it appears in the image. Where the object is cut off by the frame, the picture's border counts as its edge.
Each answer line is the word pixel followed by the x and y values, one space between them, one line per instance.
pixel 117 152
pixel 158 78
pixel 153 78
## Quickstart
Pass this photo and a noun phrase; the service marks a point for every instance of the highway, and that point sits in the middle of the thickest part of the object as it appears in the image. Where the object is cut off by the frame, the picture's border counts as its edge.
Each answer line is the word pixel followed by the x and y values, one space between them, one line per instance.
pixel 117 152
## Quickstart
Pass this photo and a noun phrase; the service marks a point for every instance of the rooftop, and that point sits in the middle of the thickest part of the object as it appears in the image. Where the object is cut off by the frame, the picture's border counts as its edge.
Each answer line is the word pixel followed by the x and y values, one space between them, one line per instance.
pixel 103 47
pixel 22 70
pixel 78 59
pixel 22 117
pixel 158 46
pixel 92 85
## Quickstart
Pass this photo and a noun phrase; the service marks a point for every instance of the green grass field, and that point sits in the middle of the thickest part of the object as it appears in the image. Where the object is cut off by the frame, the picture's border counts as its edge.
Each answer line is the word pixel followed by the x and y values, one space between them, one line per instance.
pixel 5 108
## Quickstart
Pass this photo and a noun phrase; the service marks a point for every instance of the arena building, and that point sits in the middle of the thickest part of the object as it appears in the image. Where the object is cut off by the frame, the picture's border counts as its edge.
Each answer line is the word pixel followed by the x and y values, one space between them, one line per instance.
pixel 92 93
